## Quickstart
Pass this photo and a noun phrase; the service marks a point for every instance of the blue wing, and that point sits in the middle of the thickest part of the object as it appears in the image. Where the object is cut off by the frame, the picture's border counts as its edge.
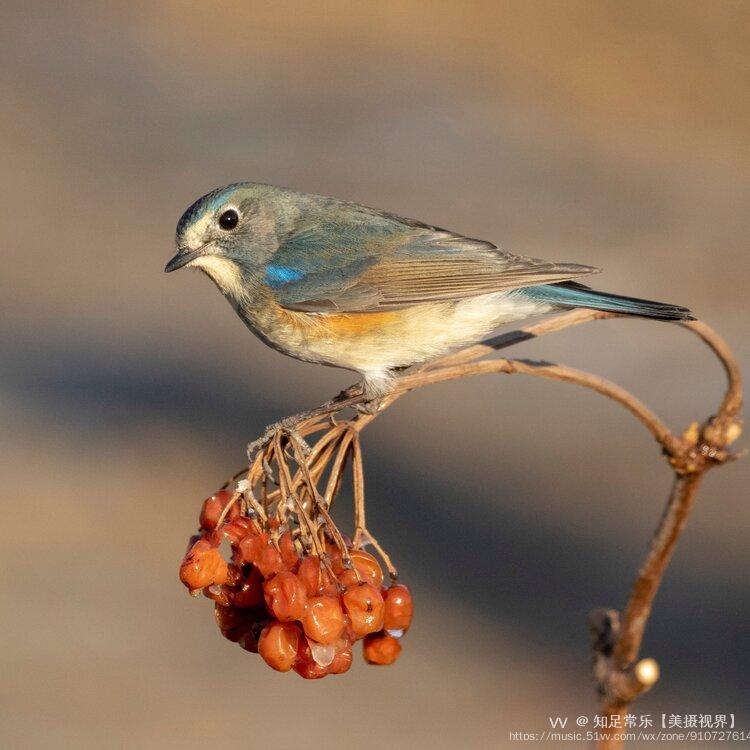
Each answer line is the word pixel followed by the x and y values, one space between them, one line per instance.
pixel 358 259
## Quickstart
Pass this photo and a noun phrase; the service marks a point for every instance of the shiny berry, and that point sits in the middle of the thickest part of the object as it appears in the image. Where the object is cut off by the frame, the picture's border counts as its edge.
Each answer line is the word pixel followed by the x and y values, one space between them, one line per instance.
pixel 218 594
pixel 342 661
pixel 365 607
pixel 288 550
pixel 324 621
pixel 278 644
pixel 249 641
pixel 305 665
pixel 270 562
pixel 193 539
pixel 248 592
pixel 235 623
pixel 251 546
pixel 381 649
pixel 366 565
pixel 316 579
pixel 285 596
pixel 260 551
pixel 238 528
pixel 214 506
pixel 234 574
pixel 398 608
pixel 203 566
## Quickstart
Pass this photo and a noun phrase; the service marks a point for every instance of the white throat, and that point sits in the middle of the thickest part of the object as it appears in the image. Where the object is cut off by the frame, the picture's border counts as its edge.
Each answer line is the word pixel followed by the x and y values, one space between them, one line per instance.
pixel 226 274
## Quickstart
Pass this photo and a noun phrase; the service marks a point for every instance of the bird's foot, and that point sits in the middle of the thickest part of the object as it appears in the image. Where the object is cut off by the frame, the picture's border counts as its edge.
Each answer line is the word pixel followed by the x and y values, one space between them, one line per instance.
pixel 374 391
pixel 286 425
pixel 370 407
pixel 373 399
pixel 353 391
pixel 289 425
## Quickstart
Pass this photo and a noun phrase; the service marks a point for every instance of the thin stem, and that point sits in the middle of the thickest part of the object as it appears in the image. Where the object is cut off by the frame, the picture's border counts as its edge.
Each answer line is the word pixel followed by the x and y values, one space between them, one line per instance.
pixel 732 402
pixel 359 491
pixel 337 470
pixel 319 505
pixel 638 609
pixel 370 539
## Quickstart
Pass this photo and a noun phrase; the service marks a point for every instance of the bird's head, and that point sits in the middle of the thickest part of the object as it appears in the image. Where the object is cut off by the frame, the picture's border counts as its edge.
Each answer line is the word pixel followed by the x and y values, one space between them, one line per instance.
pixel 232 231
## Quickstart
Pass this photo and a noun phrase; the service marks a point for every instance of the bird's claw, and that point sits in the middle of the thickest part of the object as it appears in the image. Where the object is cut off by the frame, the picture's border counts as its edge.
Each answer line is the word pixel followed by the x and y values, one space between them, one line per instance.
pixel 350 392
pixel 287 425
pixel 370 407
pixel 259 443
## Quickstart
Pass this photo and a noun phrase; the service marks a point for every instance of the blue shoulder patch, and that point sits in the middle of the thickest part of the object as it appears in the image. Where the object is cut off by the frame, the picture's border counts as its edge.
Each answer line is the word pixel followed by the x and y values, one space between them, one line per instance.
pixel 278 275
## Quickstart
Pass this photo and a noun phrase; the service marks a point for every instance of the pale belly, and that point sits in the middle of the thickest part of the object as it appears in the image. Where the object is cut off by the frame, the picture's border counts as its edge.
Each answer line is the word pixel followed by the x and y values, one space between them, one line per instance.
pixel 376 342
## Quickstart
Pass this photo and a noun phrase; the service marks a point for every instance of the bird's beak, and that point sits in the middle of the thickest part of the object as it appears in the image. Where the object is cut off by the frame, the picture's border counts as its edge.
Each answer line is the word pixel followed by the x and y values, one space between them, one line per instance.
pixel 182 258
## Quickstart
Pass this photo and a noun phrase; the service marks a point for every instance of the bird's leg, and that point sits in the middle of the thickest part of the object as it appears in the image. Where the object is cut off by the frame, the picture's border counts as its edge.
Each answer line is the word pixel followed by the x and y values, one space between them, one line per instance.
pixel 369 407
pixel 348 397
pixel 374 390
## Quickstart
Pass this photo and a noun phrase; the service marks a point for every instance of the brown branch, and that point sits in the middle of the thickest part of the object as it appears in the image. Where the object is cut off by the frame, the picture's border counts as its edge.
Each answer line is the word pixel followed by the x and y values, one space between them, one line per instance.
pixel 662 546
pixel 616 641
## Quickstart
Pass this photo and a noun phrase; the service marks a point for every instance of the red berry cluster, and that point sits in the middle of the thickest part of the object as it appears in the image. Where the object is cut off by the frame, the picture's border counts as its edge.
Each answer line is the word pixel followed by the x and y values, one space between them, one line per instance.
pixel 296 610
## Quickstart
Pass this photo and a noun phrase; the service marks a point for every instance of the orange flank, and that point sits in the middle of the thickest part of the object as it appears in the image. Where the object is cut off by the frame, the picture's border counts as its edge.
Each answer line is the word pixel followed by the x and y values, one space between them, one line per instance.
pixel 358 324
pixel 334 325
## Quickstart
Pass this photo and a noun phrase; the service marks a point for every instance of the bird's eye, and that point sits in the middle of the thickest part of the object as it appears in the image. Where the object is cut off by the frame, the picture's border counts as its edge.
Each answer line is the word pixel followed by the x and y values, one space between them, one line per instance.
pixel 228 220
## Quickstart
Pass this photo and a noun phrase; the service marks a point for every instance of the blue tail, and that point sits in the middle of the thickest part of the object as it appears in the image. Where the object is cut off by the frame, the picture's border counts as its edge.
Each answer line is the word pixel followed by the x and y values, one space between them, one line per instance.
pixel 573 294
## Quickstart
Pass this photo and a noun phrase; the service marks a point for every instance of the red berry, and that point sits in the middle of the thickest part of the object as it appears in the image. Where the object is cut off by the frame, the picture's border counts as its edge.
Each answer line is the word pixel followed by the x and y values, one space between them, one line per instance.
pixel 218 594
pixel 381 649
pixel 288 550
pixel 278 645
pixel 193 539
pixel 306 666
pixel 398 608
pixel 270 561
pixel 233 574
pixel 260 551
pixel 349 633
pixel 365 607
pixel 248 593
pixel 324 621
pixel 214 506
pixel 285 596
pixel 315 578
pixel 236 624
pixel 203 566
pixel 249 641
pixel 343 659
pixel 366 565
pixel 251 546
pixel 309 573
pixel 238 528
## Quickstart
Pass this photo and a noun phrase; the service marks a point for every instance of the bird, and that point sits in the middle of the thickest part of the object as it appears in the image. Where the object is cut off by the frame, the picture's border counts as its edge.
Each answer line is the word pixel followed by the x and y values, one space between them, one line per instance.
pixel 336 283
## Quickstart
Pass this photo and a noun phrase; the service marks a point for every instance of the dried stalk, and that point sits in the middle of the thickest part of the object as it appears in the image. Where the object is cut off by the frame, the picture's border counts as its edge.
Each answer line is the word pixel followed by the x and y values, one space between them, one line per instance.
pixel 616 641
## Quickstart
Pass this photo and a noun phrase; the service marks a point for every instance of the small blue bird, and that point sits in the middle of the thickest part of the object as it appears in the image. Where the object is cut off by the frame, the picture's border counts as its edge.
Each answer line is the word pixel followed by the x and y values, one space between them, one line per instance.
pixel 340 284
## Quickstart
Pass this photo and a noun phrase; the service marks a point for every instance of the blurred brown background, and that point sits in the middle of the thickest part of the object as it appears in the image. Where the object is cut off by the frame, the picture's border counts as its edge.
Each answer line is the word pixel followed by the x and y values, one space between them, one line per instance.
pixel 608 133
